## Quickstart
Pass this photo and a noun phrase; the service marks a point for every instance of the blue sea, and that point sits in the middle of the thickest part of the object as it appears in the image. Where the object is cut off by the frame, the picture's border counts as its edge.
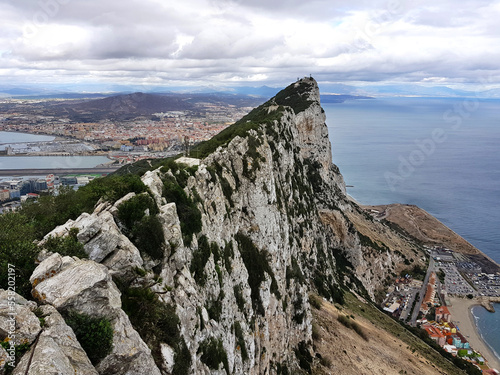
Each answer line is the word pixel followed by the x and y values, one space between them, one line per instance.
pixel 34 162
pixel 488 326
pixel 441 154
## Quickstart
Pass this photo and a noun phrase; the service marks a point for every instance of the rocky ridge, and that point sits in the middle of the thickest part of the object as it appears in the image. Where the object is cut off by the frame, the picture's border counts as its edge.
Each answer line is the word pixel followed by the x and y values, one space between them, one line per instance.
pixel 246 233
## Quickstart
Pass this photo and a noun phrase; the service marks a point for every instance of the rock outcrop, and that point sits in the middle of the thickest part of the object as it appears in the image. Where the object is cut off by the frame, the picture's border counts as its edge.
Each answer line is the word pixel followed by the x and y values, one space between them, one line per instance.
pixel 248 231
pixel 102 239
pixel 86 287
pixel 57 350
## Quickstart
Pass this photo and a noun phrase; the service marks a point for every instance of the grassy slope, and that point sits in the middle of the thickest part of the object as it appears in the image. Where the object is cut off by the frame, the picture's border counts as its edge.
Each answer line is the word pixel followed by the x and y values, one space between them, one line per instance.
pixel 390 349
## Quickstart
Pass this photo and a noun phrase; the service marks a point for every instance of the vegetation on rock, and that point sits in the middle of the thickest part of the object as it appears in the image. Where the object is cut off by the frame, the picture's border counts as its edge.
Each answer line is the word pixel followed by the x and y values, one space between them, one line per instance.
pixel 95 335
pixel 213 354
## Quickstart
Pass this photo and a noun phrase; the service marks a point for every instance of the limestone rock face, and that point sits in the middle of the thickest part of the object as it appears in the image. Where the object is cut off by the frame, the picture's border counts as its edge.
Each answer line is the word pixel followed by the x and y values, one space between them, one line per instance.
pixel 4 358
pixel 102 239
pixel 57 350
pixel 276 224
pixel 75 284
pixel 84 286
pixel 153 181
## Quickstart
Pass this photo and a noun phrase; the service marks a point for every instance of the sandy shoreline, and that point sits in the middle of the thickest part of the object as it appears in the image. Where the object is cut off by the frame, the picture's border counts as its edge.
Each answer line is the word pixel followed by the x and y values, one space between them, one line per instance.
pixel 460 311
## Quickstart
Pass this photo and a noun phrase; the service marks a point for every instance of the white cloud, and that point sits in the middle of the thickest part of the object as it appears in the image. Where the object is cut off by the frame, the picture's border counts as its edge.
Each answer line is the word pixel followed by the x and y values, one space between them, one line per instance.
pixel 208 41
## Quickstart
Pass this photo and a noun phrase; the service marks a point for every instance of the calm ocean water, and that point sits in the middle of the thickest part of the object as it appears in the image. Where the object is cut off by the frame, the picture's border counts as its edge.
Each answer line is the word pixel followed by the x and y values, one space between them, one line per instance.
pixel 15 162
pixel 14 137
pixel 440 154
pixel 488 326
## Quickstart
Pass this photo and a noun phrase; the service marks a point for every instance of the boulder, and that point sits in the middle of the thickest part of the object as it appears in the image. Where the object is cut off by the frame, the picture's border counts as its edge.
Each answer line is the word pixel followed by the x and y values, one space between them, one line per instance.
pixel 130 355
pixel 153 181
pixel 86 287
pixel 167 354
pixel 103 241
pixel 75 284
pixel 57 350
pixel 17 321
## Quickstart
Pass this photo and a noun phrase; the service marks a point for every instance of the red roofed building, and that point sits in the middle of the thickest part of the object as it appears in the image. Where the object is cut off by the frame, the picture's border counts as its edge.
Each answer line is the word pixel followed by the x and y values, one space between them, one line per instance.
pixel 435 334
pixel 430 294
pixel 442 314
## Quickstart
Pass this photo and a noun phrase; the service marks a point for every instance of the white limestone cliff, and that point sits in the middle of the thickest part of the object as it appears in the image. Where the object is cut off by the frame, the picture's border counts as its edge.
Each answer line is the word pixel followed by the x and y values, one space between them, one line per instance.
pixel 276 223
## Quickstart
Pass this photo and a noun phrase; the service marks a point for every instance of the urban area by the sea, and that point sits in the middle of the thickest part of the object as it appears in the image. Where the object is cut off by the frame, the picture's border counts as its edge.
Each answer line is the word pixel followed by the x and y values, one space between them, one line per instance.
pixel 429 300
pixel 39 153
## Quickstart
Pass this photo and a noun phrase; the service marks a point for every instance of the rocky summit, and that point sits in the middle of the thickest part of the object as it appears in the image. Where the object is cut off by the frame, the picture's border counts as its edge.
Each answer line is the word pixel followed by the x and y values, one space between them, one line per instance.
pixel 214 265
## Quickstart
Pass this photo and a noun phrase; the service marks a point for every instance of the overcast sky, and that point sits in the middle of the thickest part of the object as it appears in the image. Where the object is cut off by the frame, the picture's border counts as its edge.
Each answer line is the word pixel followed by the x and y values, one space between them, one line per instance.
pixel 254 42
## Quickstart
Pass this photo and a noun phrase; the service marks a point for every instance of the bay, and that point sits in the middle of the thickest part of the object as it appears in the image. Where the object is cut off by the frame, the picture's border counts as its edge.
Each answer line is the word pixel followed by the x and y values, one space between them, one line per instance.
pixel 438 153
pixel 14 137
pixel 49 162
pixel 42 162
pixel 488 327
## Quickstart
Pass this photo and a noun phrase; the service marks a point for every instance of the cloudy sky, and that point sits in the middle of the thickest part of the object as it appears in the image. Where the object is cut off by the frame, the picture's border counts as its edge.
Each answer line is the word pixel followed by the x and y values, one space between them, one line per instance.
pixel 253 42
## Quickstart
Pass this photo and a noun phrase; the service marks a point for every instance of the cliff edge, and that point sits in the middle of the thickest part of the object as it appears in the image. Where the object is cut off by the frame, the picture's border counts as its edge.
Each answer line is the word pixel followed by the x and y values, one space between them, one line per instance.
pixel 208 266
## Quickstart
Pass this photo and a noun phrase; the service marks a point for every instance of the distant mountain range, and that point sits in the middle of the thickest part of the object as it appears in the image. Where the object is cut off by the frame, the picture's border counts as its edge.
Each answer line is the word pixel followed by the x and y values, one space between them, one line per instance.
pixel 372 90
pixel 128 106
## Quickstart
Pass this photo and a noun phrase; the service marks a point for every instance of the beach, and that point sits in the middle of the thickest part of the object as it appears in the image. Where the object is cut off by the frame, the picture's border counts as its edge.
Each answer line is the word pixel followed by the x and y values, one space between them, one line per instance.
pixel 462 316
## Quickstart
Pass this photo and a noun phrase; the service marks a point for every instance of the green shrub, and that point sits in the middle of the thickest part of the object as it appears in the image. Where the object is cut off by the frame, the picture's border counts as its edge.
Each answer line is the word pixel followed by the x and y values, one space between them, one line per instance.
pixel 227 190
pixel 240 340
pixel 17 234
pixel 214 308
pixel 252 121
pixel 304 357
pixel 156 322
pixel 149 237
pixel 228 255
pixel 281 369
pixel 316 335
pixel 315 301
pixel 94 334
pixel 299 312
pixel 346 321
pixel 134 209
pixel 368 242
pixel 67 245
pixel 257 265
pixel 213 354
pixel 295 96
pixel 188 212
pixel 294 272
pixel 200 259
pixel 182 359
pixel 238 295
pixel 50 211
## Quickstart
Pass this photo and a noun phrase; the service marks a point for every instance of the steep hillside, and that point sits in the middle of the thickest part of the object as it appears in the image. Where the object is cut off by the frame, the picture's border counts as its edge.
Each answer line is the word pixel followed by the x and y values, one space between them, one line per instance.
pixel 207 266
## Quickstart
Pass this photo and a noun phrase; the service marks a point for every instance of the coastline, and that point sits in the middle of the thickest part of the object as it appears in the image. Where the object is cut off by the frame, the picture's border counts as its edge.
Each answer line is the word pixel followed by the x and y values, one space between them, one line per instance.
pixel 460 310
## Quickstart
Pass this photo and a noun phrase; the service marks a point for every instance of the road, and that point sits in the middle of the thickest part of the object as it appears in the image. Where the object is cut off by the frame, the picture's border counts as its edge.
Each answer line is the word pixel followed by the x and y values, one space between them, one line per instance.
pixel 413 321
pixel 56 171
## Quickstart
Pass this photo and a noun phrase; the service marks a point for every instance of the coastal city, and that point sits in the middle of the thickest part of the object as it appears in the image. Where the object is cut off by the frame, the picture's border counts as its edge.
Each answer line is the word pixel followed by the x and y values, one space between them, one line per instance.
pixel 121 139
pixel 453 281
pixel 138 135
